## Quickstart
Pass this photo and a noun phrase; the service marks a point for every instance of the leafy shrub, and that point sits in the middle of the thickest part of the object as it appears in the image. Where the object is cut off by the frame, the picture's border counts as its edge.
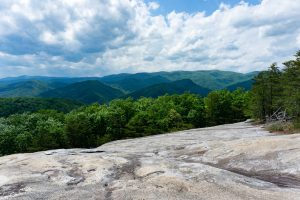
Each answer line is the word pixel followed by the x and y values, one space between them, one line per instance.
pixel 286 127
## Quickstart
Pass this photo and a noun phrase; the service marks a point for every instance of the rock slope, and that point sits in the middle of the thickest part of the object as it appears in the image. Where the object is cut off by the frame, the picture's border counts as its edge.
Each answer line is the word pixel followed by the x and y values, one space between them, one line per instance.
pixel 236 161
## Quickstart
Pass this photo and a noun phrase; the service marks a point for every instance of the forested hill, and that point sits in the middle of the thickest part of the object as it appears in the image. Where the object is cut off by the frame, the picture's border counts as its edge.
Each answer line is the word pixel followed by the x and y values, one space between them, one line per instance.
pixel 133 82
pixel 10 106
pixel 103 89
pixel 86 92
pixel 28 88
pixel 175 87
pixel 210 79
pixel 247 85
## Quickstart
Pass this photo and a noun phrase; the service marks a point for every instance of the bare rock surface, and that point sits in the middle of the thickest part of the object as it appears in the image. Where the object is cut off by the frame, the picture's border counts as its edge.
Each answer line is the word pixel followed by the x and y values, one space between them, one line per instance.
pixel 236 161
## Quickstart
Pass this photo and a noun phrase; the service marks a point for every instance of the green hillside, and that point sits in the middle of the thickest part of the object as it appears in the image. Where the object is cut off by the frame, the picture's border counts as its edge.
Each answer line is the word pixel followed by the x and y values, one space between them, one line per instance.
pixel 29 88
pixel 9 106
pixel 86 92
pixel 81 88
pixel 46 79
pixel 176 87
pixel 211 79
pixel 133 82
pixel 247 85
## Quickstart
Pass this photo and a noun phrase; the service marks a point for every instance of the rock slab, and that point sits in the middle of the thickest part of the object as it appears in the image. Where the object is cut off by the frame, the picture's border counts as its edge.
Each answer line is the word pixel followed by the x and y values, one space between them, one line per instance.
pixel 236 161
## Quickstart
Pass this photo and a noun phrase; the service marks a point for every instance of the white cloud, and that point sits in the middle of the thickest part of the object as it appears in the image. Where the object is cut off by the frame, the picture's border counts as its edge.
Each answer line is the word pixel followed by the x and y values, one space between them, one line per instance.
pixel 88 37
pixel 153 5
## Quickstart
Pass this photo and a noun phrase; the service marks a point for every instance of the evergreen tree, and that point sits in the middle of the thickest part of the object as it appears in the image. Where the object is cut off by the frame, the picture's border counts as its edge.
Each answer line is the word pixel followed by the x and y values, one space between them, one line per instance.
pixel 291 86
pixel 266 93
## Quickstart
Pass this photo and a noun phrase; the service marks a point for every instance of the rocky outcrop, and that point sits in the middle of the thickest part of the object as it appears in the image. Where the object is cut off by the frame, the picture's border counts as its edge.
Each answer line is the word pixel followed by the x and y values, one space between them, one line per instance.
pixel 237 161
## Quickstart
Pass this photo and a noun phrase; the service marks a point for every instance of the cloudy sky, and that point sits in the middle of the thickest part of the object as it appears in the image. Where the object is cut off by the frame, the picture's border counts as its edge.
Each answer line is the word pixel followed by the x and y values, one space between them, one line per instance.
pixel 100 37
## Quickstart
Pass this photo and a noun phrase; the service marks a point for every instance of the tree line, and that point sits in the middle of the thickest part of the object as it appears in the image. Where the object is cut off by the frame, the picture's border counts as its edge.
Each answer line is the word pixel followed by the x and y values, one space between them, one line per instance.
pixel 9 106
pixel 93 125
pixel 277 89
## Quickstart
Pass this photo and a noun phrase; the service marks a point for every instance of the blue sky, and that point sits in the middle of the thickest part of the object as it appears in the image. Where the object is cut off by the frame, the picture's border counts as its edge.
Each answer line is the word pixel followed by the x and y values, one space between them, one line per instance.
pixel 101 37
pixel 193 6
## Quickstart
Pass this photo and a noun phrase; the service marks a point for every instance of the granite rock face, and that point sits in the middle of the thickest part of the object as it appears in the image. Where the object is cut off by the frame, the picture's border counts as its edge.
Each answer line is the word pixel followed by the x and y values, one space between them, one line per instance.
pixel 236 161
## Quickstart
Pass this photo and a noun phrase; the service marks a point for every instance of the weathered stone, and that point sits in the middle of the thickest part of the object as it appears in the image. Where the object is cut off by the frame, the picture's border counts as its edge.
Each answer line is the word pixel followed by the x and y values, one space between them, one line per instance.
pixel 237 161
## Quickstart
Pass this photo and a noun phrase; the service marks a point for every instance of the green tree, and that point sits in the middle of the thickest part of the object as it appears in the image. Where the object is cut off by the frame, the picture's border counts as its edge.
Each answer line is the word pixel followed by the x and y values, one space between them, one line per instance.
pixel 48 134
pixel 291 87
pixel 218 107
pixel 267 93
pixel 240 105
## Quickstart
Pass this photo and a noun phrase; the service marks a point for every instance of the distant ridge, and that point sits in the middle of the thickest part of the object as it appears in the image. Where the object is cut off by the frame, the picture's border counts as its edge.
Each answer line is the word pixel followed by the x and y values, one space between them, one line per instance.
pixel 211 79
pixel 103 89
pixel 28 88
pixel 247 85
pixel 133 82
pixel 175 87
pixel 86 92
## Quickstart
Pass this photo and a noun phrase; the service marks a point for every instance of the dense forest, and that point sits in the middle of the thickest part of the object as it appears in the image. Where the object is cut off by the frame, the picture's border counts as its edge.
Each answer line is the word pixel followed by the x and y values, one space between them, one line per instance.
pixel 34 124
pixel 9 106
pixel 277 90
pixel 93 125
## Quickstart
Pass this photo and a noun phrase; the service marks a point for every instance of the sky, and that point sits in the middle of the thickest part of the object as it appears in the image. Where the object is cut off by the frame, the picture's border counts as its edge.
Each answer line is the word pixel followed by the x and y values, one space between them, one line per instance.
pixel 101 37
pixel 194 6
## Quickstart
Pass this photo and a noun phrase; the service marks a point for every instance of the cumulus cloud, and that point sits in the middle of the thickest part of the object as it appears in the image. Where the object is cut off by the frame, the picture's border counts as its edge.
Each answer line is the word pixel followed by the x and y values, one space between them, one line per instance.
pixel 94 38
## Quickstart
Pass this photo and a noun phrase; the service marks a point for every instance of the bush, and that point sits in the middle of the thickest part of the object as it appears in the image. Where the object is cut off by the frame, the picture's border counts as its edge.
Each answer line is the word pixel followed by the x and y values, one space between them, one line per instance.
pixel 285 127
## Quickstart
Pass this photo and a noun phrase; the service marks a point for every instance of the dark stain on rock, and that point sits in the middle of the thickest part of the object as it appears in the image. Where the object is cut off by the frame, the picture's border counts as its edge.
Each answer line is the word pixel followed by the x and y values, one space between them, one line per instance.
pixel 77 176
pixel 282 180
pixel 126 171
pixel 12 189
pixel 76 180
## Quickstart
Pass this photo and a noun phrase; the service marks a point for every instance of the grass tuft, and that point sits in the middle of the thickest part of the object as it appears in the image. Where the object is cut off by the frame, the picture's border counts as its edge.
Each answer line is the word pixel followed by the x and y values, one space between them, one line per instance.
pixel 282 127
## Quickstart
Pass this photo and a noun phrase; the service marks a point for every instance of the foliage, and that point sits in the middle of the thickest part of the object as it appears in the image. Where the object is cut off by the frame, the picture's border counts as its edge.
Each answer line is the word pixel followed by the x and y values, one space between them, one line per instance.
pixel 93 125
pixel 224 107
pixel 286 127
pixel 9 106
pixel 31 132
pixel 277 89
pixel 291 87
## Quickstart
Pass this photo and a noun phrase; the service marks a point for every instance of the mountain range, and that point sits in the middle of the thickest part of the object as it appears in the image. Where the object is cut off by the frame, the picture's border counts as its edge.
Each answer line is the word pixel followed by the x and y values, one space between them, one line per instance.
pixel 86 91
pixel 104 89
pixel 175 87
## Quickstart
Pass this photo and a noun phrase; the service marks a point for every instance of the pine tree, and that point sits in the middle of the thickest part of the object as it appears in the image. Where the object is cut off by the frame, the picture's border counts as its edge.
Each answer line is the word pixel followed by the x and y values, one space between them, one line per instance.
pixel 266 93
pixel 291 86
